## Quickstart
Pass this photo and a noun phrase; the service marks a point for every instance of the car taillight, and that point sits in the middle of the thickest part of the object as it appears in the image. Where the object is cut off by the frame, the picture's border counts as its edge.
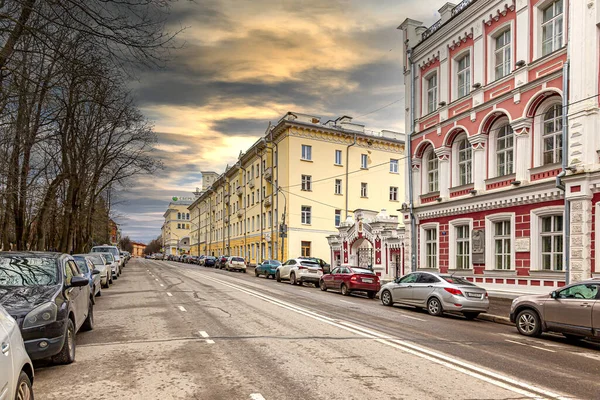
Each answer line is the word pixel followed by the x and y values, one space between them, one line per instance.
pixel 486 295
pixel 453 291
pixel 301 267
pixel 354 278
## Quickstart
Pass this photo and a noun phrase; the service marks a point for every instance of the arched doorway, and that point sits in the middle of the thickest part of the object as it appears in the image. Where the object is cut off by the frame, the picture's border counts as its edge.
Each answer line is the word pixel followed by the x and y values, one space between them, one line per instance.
pixel 363 250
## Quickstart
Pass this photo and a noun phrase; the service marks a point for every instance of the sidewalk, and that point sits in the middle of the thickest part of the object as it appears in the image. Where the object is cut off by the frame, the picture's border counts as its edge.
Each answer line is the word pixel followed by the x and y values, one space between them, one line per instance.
pixel 499 311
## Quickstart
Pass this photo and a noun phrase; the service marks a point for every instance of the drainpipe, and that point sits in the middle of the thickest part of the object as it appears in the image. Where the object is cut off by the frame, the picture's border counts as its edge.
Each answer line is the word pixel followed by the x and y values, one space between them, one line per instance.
pixel 413 222
pixel 563 173
pixel 347 167
pixel 245 208
pixel 262 204
pixel 273 192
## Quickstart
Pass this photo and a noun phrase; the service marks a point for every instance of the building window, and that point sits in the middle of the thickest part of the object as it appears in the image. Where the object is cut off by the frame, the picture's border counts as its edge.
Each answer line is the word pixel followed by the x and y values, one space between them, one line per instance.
pixel 252 198
pixel 306 152
pixel 463 75
pixel 338 217
pixel 394 166
pixel 363 161
pixel 502 54
pixel 552 135
pixel 338 186
pixel 432 93
pixel 178 226
pixel 338 157
pixel 432 173
pixel 305 248
pixel 306 215
pixel 306 183
pixel 502 249
pixel 552 242
pixel 504 150
pixel 431 248
pixel 393 193
pixel 363 189
pixel 464 162
pixel 552 27
pixel 178 215
pixel 463 247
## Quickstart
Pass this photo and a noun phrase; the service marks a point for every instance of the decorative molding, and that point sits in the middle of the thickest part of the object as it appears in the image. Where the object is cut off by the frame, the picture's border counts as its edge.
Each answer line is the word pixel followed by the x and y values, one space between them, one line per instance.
pixel 443 153
pixel 460 39
pixel 522 126
pixel 510 6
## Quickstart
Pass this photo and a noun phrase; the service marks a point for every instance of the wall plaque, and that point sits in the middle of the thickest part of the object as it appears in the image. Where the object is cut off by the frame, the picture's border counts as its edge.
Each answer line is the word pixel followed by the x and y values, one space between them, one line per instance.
pixel 522 245
pixel 478 246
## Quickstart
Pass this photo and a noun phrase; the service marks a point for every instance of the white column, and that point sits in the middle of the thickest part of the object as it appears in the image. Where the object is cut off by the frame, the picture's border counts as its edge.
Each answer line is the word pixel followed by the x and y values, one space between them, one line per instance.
pixel 479 165
pixel 581 243
pixel 478 53
pixel 417 188
pixel 443 155
pixel 522 144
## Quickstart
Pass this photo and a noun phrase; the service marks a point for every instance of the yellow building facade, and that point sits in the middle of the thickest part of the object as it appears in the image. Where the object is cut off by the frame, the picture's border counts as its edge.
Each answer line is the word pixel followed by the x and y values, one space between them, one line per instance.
pixel 176 227
pixel 295 185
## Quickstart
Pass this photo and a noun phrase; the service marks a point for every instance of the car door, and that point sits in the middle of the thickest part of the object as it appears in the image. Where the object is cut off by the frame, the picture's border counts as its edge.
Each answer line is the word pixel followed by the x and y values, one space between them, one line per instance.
pixel 6 361
pixel 79 295
pixel 328 278
pixel 402 291
pixel 596 316
pixel 571 309
pixel 425 285
pixel 344 277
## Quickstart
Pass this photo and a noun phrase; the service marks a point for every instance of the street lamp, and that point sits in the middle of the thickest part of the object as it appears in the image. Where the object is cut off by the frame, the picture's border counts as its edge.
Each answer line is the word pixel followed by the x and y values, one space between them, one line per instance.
pixel 282 231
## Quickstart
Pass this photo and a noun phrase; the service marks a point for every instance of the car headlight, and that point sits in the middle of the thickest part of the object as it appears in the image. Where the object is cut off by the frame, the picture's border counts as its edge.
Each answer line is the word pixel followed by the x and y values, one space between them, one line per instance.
pixel 42 315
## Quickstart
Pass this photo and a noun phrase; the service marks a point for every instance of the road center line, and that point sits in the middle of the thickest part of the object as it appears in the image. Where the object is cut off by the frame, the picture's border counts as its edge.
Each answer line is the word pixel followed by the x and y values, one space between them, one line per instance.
pixel 347 302
pixel 529 345
pixel 256 396
pixel 169 294
pixel 204 334
pixel 161 285
pixel 182 308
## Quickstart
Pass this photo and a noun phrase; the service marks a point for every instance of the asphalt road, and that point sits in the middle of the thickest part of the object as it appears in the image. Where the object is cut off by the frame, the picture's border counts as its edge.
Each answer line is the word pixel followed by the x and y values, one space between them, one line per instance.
pixel 172 331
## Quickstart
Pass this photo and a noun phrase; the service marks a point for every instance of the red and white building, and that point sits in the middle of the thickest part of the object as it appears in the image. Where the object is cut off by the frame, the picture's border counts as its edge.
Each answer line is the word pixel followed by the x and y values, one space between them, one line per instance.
pixel 487 146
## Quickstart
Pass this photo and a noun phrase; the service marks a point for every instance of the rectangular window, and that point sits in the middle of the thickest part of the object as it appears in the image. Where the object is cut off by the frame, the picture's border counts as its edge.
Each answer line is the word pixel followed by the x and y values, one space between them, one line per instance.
pixel 178 226
pixel 363 189
pixel 306 152
pixel 552 243
pixel 504 150
pixel 338 218
pixel 393 193
pixel 431 248
pixel 394 166
pixel 463 243
pixel 338 157
pixel 252 224
pixel 432 173
pixel 432 93
pixel 363 161
pixel 464 162
pixel 552 27
pixel 464 75
pixel 502 54
pixel 502 245
pixel 552 135
pixel 306 183
pixel 338 186
pixel 252 198
pixel 305 248
pixel 306 215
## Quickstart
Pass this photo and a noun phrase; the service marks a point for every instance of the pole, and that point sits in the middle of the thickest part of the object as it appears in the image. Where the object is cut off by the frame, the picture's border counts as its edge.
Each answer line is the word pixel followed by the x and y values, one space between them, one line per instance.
pixel 282 232
pixel 565 154
pixel 347 167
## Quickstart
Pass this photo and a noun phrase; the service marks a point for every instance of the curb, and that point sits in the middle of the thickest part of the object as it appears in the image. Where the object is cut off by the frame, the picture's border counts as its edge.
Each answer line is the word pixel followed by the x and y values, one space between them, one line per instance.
pixel 495 318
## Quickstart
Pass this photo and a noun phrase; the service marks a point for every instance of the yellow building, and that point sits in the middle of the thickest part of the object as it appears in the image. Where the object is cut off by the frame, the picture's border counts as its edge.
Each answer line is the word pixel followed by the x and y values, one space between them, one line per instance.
pixel 295 185
pixel 177 226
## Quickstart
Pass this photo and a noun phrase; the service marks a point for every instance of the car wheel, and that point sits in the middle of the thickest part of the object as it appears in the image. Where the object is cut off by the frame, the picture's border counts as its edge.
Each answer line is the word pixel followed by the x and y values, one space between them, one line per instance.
pixel 434 307
pixel 386 298
pixel 293 279
pixel 371 295
pixel 67 353
pixel 88 324
pixel 99 292
pixel 24 389
pixel 323 286
pixel 573 338
pixel 471 315
pixel 244 271
pixel 256 273
pixel 528 323
pixel 345 290
pixel 277 276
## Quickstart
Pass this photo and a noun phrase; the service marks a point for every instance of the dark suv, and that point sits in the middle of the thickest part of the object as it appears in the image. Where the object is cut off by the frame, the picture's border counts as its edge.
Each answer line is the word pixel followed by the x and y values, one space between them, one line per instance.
pixel 50 299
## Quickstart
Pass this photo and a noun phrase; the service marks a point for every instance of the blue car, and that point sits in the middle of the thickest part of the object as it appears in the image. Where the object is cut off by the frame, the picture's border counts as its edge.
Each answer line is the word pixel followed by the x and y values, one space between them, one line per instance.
pixel 87 269
pixel 210 261
pixel 267 268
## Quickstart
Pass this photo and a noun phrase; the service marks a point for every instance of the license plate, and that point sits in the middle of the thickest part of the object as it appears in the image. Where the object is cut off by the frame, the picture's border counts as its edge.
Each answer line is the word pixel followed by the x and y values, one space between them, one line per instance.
pixel 475 295
pixel 312 271
pixel 367 280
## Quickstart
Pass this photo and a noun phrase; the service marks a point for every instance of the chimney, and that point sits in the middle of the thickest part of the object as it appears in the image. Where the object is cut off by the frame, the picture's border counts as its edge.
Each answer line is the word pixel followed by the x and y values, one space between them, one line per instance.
pixel 446 12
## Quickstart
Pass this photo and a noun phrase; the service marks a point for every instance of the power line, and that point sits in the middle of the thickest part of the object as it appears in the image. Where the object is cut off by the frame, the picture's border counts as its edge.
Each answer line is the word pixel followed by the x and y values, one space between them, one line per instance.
pixel 379 109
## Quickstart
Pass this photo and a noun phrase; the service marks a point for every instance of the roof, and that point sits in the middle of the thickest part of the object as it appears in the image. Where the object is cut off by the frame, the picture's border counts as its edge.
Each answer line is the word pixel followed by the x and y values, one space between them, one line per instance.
pixel 46 254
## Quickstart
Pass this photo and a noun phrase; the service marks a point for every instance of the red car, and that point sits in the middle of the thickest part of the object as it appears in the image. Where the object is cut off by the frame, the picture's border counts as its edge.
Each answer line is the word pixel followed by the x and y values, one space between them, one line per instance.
pixel 350 279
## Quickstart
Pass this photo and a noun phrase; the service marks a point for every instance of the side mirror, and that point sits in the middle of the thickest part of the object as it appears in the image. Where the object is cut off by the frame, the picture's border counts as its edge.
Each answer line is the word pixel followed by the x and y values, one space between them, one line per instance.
pixel 554 294
pixel 95 272
pixel 79 281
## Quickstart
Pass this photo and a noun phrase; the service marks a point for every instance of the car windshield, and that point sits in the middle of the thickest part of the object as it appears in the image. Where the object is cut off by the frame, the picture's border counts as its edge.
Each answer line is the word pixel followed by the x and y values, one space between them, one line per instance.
pixel 28 271
pixel 211 258
pixel 363 271
pixel 96 259
pixel 273 262
pixel 110 250
pixel 237 259
pixel 309 264
pixel 457 280
pixel 82 264
pixel 108 257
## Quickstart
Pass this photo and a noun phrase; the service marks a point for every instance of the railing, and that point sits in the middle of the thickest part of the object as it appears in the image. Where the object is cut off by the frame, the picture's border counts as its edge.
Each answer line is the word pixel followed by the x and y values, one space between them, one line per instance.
pixel 431 30
pixel 461 7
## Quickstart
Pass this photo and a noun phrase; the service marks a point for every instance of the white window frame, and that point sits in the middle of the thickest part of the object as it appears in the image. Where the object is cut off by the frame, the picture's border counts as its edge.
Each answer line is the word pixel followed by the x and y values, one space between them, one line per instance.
pixel 538 17
pixel 555 135
pixel 364 161
pixel 336 161
pixel 490 220
pixel 452 225
pixel 428 157
pixel 535 216
pixel 337 220
pixel 467 53
pixel 393 193
pixel 423 244
pixel 337 189
pixel 538 129
pixel 455 160
pixel 491 42
pixel 426 91
pixel 364 190
pixel 306 215
pixel 306 183
pixel 394 166
pixel 306 154
pixel 492 147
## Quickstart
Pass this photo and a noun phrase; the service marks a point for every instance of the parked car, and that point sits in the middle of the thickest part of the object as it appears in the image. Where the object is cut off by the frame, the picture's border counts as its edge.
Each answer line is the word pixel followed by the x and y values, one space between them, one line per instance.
pixel 102 265
pixel 351 279
pixel 221 260
pixel 267 268
pixel 50 299
pixel 235 263
pixel 573 310
pixel 322 263
pixel 200 260
pixel 112 250
pixel 298 271
pixel 16 369
pixel 210 261
pixel 438 293
pixel 93 275
pixel 114 267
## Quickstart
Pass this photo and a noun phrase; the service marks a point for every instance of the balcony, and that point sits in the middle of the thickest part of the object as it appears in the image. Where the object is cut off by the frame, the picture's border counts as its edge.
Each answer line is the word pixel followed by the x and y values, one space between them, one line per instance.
pixel 239 191
pixel 251 183
pixel 268 201
pixel 268 174
pixel 240 214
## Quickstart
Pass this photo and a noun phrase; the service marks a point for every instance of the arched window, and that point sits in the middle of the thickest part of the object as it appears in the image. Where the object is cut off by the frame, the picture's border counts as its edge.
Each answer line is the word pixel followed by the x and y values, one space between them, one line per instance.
pixel 504 151
pixel 552 135
pixel 464 162
pixel 178 215
pixel 432 172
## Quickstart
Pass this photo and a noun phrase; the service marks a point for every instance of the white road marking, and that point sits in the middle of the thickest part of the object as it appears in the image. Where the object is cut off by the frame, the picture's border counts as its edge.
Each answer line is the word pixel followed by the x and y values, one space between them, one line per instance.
pixel 204 334
pixel 347 302
pixel 306 291
pixel 451 362
pixel 169 294
pixel 529 345
pixel 156 279
pixel 162 285
pixel 256 396
pixel 411 317
pixel 210 341
pixel 182 308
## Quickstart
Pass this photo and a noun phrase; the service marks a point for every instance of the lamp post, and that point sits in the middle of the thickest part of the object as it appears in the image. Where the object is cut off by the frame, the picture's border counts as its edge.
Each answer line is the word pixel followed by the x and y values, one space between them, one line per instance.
pixel 282 230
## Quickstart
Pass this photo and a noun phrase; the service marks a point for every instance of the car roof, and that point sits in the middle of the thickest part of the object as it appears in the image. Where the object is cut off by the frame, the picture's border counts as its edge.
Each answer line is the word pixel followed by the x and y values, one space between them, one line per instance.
pixel 46 254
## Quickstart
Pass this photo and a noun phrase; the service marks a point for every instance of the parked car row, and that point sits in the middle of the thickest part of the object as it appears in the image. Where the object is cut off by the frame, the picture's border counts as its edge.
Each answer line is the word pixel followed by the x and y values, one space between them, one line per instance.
pixel 45 300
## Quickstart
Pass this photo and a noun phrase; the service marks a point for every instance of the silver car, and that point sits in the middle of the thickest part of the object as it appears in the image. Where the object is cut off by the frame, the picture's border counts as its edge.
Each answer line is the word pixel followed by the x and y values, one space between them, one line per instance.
pixel 16 369
pixel 438 293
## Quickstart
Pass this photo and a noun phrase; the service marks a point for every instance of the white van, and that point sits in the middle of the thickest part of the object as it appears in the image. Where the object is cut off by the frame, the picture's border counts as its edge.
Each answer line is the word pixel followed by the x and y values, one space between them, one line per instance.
pixel 114 250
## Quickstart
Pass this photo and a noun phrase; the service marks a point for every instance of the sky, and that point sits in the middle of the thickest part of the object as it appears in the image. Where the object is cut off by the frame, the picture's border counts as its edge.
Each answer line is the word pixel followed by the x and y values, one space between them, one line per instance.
pixel 243 63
